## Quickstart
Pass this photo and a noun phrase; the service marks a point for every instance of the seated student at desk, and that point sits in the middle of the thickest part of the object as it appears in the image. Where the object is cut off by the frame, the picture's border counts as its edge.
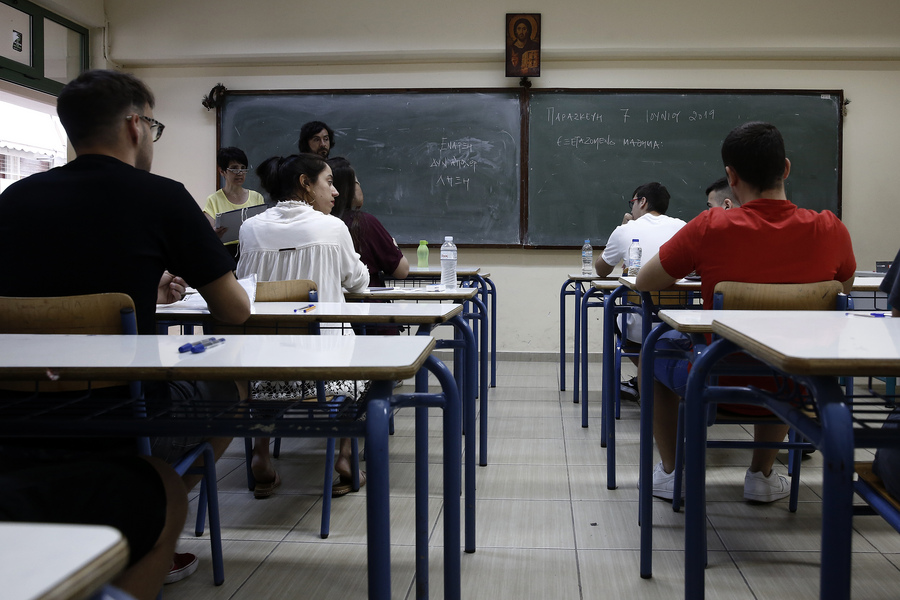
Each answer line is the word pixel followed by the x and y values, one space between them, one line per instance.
pixel 104 223
pixel 647 221
pixel 300 239
pixel 763 239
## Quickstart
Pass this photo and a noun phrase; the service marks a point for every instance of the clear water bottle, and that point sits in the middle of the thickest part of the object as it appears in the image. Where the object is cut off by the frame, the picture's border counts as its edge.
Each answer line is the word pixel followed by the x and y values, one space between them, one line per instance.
pixel 634 258
pixel 587 258
pixel 448 263
pixel 422 254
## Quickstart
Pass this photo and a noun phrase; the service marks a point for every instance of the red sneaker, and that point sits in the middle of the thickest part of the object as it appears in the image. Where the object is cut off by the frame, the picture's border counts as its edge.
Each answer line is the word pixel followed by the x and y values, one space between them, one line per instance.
pixel 183 565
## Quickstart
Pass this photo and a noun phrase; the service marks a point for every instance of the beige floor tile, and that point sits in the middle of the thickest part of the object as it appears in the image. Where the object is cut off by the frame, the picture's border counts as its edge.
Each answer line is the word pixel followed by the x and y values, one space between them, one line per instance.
pixel 614 525
pixel 348 521
pixel 531 428
pixel 616 574
pixel 242 558
pixel 512 573
pixel 243 518
pixel 312 570
pixel 745 527
pixel 534 482
pixel 878 533
pixel 523 394
pixel 503 409
pixel 520 524
pixel 526 452
pixel 796 575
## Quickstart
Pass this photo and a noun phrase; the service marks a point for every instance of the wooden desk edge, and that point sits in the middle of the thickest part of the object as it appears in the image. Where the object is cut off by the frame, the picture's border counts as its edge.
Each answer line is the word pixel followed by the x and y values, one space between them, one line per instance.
pixel 90 578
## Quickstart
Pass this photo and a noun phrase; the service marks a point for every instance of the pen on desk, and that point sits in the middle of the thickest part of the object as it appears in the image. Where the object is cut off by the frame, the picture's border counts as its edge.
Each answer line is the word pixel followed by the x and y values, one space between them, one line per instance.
pixel 201 346
pixel 861 314
pixel 305 309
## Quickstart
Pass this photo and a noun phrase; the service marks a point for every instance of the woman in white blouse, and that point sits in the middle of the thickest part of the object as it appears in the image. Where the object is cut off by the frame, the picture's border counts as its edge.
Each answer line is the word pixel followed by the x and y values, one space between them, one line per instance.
pixel 299 239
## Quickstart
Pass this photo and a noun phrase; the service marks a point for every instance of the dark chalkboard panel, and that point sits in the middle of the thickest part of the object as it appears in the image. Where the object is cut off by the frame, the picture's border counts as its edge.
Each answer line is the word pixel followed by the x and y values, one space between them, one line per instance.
pixel 430 163
pixel 589 150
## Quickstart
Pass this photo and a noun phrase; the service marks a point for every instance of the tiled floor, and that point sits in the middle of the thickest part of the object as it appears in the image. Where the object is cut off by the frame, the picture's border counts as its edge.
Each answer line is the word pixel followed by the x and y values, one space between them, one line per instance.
pixel 547 525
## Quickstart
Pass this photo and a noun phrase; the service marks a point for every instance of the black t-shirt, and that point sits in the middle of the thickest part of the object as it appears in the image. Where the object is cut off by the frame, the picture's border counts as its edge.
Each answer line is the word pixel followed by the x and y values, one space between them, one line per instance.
pixel 99 225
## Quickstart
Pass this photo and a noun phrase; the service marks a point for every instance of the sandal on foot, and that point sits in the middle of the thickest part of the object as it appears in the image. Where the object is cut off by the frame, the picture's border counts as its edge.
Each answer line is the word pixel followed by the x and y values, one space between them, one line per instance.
pixel 263 490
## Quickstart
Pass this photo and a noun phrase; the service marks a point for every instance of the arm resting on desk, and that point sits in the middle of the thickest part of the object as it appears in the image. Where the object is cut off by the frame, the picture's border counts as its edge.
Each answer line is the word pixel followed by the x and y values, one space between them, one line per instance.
pixel 653 277
pixel 602 268
pixel 227 300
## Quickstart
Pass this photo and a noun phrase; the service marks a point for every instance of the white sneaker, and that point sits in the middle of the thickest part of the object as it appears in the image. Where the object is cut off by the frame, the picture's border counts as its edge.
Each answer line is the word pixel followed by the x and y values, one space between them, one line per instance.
pixel 664 483
pixel 758 488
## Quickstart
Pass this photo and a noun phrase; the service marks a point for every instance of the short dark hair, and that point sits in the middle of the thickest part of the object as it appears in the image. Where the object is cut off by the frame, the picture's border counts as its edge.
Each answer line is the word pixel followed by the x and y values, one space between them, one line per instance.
pixel 719 184
pixel 656 194
pixel 280 175
pixel 230 154
pixel 344 183
pixel 91 105
pixel 310 129
pixel 755 151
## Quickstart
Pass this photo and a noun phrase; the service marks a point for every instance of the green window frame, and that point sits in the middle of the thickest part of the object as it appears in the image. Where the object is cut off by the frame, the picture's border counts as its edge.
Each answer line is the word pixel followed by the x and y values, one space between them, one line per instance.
pixel 33 75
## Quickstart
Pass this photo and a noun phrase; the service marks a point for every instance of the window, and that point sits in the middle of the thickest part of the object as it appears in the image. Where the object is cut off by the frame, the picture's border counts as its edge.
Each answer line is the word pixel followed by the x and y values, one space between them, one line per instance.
pixel 32 139
pixel 39 49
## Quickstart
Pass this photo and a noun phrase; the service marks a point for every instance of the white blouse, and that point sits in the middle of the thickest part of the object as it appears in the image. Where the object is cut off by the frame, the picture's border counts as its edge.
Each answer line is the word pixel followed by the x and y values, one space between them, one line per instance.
pixel 295 241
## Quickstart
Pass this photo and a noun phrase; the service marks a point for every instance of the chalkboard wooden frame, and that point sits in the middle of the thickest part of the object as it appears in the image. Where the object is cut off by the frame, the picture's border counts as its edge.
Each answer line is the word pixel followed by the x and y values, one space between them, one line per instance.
pixel 524 229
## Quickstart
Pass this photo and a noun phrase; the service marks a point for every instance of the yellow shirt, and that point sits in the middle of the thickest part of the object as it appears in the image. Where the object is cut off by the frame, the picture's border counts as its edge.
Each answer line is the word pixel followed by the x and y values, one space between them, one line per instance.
pixel 219 203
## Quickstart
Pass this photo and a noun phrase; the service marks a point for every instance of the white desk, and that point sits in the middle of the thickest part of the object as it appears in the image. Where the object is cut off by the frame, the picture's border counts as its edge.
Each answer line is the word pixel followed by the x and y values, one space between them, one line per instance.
pixel 57 562
pixel 284 315
pixel 285 357
pixel 814 348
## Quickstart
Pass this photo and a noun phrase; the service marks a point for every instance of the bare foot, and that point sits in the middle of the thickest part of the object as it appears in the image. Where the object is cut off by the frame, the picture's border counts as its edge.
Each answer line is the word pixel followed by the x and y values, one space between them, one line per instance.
pixel 262 467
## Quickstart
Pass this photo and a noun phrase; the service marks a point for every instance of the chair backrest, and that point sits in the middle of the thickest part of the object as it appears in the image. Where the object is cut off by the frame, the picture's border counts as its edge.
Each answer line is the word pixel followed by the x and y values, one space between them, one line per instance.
pixel 290 290
pixel 91 314
pixel 821 295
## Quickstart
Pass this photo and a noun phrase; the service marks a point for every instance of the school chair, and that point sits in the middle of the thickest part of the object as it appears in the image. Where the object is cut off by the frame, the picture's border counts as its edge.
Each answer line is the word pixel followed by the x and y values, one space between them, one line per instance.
pixel 112 314
pixel 732 295
pixel 291 290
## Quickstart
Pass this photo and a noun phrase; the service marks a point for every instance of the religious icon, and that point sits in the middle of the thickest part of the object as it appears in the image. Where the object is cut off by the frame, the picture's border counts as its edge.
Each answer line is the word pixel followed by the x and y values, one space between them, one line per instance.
pixel 523 45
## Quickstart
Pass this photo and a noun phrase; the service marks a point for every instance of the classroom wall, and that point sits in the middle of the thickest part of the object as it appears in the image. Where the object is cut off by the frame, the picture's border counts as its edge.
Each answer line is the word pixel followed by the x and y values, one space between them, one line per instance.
pixel 182 49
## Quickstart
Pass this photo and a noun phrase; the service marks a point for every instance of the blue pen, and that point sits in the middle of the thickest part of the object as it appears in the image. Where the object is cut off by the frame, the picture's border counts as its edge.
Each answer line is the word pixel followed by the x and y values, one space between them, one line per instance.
pixel 859 314
pixel 201 346
pixel 305 309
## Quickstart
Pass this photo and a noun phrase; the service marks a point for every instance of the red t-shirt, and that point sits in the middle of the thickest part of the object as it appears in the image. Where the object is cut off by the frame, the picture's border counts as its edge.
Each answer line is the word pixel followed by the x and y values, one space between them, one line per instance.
pixel 763 241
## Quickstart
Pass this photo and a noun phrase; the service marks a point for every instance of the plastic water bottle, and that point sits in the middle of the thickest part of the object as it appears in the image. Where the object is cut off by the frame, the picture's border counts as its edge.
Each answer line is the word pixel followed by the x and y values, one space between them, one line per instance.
pixel 587 258
pixel 634 258
pixel 448 263
pixel 422 254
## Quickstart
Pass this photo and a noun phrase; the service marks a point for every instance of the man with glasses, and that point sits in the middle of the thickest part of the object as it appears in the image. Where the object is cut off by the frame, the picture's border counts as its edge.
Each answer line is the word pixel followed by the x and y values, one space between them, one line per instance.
pixel 647 222
pixel 104 223
pixel 316 137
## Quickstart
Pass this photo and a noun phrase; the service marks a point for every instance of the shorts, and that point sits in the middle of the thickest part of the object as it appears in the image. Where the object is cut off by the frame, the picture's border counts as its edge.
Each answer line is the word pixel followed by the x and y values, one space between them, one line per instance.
pixel 122 492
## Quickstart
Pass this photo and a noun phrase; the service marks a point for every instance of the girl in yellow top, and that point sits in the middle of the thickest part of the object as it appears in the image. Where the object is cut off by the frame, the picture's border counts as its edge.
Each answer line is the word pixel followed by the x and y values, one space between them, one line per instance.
pixel 232 165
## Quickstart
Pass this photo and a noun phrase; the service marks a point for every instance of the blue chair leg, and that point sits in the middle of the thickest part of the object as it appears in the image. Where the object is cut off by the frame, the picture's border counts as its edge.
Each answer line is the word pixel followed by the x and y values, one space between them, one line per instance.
pixel 326 493
pixel 248 453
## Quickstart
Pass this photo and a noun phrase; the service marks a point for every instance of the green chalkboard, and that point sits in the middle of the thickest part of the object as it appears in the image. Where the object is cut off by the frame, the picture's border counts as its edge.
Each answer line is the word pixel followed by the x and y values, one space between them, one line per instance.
pixel 431 163
pixel 589 150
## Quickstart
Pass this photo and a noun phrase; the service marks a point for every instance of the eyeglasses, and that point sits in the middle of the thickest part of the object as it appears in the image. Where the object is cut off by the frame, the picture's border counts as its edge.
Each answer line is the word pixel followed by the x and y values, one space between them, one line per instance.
pixel 237 171
pixel 153 123
pixel 632 201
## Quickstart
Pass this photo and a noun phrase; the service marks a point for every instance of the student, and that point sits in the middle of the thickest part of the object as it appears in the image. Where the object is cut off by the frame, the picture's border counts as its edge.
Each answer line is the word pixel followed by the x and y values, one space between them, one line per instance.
pixel 317 138
pixel 299 239
pixel 104 223
pixel 718 194
pixel 764 239
pixel 376 248
pixel 646 221
pixel 232 164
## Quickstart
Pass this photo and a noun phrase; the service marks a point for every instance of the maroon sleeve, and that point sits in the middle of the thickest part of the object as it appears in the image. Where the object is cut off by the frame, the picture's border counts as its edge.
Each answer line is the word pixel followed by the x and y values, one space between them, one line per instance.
pixel 383 253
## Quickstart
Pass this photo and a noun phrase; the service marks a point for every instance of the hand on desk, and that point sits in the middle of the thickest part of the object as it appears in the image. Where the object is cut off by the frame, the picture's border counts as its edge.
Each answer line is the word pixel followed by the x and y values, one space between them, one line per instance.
pixel 171 289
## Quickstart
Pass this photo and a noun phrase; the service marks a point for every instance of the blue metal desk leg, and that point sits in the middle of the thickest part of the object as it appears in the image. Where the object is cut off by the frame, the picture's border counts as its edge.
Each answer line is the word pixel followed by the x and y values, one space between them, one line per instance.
pixel 422 488
pixel 492 292
pixel 607 375
pixel 837 488
pixel 378 514
pixel 483 393
pixel 576 363
pixel 645 476
pixel 562 333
